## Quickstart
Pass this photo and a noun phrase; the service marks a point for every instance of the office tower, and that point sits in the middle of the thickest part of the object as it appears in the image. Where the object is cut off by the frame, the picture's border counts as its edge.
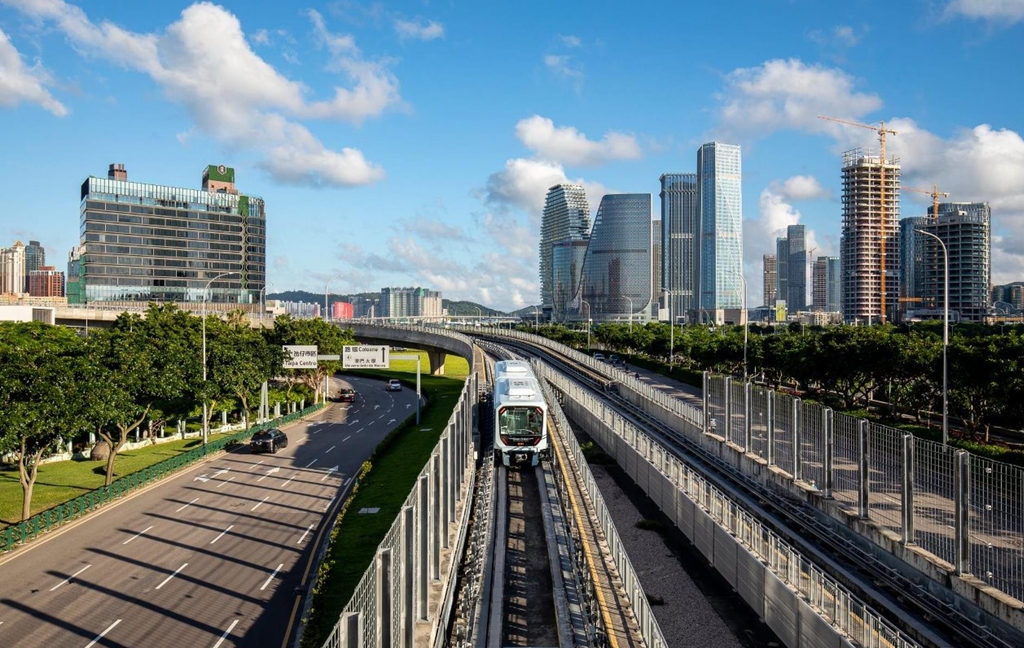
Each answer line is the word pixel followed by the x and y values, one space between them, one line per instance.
pixel 567 263
pixel 46 281
pixel 796 293
pixel 35 258
pixel 617 267
pixel 566 217
pixel 365 306
pixel 410 302
pixel 771 278
pixel 912 262
pixel 656 255
pixel 720 216
pixel 341 310
pixel 782 260
pixel 870 237
pixel 1007 297
pixel 679 203
pixel 965 228
pixel 73 285
pixel 826 283
pixel 12 269
pixel 150 242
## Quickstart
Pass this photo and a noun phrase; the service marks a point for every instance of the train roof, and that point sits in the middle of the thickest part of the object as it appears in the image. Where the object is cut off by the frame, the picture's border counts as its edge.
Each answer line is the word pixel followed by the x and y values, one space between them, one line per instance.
pixel 512 368
pixel 518 390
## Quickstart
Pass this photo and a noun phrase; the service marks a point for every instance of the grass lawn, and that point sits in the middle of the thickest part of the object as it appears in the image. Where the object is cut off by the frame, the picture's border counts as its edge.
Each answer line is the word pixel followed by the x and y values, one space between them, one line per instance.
pixel 401 457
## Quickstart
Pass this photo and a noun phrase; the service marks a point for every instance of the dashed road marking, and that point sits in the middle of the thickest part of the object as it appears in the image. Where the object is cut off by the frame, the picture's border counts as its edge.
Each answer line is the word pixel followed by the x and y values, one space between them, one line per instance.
pixel 346 438
pixel 260 503
pixel 167 580
pixel 310 463
pixel 306 532
pixel 137 535
pixel 225 482
pixel 225 635
pixel 271 577
pixel 69 578
pixel 102 634
pixel 329 449
pixel 256 464
pixel 187 505
pixel 222 534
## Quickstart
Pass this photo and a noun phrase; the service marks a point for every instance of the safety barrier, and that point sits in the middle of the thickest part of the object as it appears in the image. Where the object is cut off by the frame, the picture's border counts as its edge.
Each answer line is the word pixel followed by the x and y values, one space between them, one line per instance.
pixel 61 514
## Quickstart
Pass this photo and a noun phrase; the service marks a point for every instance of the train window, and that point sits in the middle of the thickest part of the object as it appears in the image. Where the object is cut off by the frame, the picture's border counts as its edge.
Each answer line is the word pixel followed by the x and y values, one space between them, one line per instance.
pixel 520 420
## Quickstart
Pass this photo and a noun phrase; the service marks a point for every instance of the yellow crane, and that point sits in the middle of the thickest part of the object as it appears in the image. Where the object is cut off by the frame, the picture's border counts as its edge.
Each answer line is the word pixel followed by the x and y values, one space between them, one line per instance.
pixel 934 193
pixel 882 132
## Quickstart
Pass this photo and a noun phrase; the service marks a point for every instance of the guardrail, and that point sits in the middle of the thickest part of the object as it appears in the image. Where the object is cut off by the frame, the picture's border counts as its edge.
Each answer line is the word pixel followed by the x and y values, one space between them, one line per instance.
pixel 61 514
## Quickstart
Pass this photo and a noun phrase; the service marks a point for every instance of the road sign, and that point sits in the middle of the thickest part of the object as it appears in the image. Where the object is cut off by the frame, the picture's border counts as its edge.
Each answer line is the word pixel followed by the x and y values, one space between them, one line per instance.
pixel 300 356
pixel 365 357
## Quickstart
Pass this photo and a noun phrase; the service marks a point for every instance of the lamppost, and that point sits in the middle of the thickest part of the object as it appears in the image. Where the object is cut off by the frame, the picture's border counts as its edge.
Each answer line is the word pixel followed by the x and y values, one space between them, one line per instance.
pixel 630 314
pixel 671 328
pixel 206 422
pixel 327 287
pixel 745 318
pixel 479 315
pixel 945 336
pixel 536 318
pixel 584 301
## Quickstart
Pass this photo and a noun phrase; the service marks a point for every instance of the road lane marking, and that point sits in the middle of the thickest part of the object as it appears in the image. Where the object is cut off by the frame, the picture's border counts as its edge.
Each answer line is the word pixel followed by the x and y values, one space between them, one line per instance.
pixel 69 578
pixel 330 470
pixel 256 464
pixel 260 504
pixel 226 633
pixel 329 449
pixel 347 481
pixel 222 534
pixel 164 582
pixel 226 481
pixel 137 535
pixel 187 505
pixel 310 463
pixel 271 577
pixel 101 635
pixel 346 438
pixel 360 430
pixel 289 481
pixel 318 431
pixel 306 532
pixel 269 473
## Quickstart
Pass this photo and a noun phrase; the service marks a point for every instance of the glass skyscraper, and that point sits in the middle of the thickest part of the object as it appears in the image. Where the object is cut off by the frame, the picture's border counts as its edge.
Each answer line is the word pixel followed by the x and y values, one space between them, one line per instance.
pixel 679 202
pixel 567 261
pixel 147 242
pixel 566 217
pixel 617 266
pixel 718 282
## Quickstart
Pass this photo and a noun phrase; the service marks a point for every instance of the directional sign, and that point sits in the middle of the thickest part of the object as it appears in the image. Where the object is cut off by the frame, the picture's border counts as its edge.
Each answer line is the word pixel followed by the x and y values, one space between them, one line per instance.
pixel 300 356
pixel 365 357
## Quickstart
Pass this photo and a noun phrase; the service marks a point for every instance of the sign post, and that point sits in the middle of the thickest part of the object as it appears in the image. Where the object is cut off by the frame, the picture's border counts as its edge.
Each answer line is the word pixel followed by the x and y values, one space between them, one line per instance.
pixel 300 356
pixel 365 357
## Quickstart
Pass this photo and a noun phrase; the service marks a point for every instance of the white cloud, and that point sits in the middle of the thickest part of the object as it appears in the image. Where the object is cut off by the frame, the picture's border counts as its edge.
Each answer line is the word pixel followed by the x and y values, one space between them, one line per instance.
pixel 419 29
pixel 524 183
pixel 992 10
pixel 801 187
pixel 841 36
pixel 19 83
pixel 789 94
pixel 261 37
pixel 564 67
pixel 570 40
pixel 569 146
pixel 204 62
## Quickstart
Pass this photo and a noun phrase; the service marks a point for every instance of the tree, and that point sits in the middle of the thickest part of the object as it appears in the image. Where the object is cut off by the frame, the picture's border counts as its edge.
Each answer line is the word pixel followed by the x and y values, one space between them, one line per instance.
pixel 240 360
pixel 329 339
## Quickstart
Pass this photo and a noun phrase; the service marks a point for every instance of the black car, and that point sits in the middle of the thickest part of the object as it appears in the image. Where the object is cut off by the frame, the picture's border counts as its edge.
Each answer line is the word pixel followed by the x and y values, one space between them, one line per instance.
pixel 268 441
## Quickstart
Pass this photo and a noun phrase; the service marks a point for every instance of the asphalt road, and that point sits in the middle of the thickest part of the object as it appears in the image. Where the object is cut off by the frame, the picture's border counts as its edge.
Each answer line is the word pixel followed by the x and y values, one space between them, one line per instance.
pixel 213 556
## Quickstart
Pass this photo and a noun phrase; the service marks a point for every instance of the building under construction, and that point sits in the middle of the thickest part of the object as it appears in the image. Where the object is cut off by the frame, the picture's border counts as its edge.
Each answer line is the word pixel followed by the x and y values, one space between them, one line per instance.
pixel 869 249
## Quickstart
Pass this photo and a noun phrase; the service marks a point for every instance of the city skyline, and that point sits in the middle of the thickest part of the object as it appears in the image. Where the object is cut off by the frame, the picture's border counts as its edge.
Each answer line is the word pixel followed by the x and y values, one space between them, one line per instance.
pixel 413 144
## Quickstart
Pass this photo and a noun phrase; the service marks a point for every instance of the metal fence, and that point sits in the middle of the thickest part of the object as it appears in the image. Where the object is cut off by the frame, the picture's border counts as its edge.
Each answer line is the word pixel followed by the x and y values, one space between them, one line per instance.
pixel 61 514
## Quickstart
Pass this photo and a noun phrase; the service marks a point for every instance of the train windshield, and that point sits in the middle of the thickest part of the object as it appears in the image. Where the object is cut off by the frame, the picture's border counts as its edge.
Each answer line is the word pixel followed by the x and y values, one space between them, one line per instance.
pixel 521 421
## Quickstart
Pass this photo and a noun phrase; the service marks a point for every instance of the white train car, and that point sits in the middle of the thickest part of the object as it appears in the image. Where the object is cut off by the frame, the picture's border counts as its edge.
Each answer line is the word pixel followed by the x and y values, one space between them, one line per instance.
pixel 520 415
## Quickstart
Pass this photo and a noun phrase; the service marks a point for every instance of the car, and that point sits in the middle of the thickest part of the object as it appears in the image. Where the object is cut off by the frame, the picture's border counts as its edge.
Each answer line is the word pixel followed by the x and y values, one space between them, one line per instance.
pixel 599 357
pixel 270 441
pixel 346 395
pixel 614 359
pixel 394 385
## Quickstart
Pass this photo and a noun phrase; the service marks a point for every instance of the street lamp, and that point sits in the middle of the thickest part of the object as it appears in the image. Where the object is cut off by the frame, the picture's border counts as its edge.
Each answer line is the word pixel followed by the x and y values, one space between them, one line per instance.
pixel 671 328
pixel 206 425
pixel 744 315
pixel 945 337
pixel 584 301
pixel 327 287
pixel 630 314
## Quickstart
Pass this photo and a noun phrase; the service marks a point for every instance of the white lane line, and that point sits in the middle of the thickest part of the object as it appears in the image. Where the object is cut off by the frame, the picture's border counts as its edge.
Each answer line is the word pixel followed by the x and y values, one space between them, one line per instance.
pixel 261 503
pixel 347 481
pixel 222 534
pixel 271 577
pixel 69 578
pixel 256 464
pixel 289 481
pixel 187 505
pixel 165 581
pixel 224 482
pixel 310 463
pixel 318 431
pixel 327 474
pixel 346 438
pixel 226 633
pixel 329 449
pixel 101 635
pixel 137 535
pixel 360 430
pixel 306 532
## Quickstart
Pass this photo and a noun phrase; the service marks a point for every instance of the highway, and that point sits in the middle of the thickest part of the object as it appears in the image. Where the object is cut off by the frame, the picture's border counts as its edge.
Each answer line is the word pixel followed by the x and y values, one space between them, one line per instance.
pixel 213 556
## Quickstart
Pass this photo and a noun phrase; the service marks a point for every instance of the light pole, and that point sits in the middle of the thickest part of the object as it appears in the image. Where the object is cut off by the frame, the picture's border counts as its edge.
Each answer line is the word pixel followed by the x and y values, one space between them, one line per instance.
pixel 536 318
pixel 671 328
pixel 206 425
pixel 584 301
pixel 744 315
pixel 630 314
pixel 945 336
pixel 327 287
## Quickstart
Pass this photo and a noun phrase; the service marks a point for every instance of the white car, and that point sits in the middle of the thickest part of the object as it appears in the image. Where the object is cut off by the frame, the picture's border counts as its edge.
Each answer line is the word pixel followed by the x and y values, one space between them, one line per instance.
pixel 394 385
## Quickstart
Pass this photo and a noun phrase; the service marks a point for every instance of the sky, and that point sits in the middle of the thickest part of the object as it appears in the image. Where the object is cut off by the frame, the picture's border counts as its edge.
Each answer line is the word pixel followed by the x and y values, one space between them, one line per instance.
pixel 412 143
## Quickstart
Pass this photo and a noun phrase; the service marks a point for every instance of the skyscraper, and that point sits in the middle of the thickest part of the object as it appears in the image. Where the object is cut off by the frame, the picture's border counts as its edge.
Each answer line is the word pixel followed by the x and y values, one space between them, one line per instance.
pixel 796 296
pixel 782 259
pixel 566 217
pixel 147 242
pixel 617 268
pixel 912 262
pixel 410 302
pixel 656 257
pixel 679 203
pixel 12 269
pixel 965 228
pixel 720 215
pixel 567 262
pixel 771 278
pixel 35 258
pixel 826 283
pixel 46 281
pixel 870 223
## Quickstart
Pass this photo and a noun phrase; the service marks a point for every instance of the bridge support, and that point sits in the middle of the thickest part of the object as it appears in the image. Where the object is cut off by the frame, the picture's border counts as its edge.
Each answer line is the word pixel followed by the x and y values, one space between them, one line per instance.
pixel 436 360
pixel 384 611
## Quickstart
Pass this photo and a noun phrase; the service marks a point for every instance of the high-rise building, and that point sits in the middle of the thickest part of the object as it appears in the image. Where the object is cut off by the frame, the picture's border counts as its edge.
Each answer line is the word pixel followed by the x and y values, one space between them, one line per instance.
pixel 73 285
pixel 771 278
pixel 871 212
pixel 720 214
pixel 410 302
pixel 46 281
pixel 656 257
pixel 965 228
pixel 679 204
pixel 826 285
pixel 148 242
pixel 341 310
pixel 35 258
pixel 616 283
pixel 566 217
pixel 912 262
pixel 782 256
pixel 567 262
pixel 1007 298
pixel 796 294
pixel 12 269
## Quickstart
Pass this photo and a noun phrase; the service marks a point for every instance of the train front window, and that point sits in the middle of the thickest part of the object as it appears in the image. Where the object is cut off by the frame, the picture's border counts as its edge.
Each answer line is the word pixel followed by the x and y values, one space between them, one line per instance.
pixel 520 421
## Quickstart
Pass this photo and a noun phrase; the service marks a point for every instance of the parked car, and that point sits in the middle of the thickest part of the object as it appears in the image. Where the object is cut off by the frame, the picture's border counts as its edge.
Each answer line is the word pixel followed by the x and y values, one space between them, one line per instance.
pixel 346 395
pixel 599 357
pixel 614 359
pixel 270 440
pixel 394 385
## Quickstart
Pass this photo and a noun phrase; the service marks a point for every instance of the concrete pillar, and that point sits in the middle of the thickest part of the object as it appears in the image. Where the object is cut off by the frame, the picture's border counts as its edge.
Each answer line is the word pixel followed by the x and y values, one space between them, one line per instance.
pixel 863 475
pixel 962 507
pixel 383 594
pixel 826 460
pixel 223 418
pixel 447 496
pixel 408 575
pixel 747 429
pixel 349 627
pixel 422 547
pixel 908 489
pixel 436 360
pixel 435 522
pixel 302 404
pixel 277 410
pixel 770 424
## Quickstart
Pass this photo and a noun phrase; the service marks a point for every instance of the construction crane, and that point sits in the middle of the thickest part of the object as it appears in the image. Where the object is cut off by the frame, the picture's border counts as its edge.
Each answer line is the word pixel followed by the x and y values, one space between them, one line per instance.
pixel 882 132
pixel 934 193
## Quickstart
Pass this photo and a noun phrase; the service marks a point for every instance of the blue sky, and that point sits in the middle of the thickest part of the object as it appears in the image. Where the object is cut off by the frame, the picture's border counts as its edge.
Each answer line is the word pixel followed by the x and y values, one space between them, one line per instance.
pixel 412 143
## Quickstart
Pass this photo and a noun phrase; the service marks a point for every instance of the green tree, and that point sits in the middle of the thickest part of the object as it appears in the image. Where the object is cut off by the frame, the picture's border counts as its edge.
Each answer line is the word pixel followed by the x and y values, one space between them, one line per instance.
pixel 240 360
pixel 329 339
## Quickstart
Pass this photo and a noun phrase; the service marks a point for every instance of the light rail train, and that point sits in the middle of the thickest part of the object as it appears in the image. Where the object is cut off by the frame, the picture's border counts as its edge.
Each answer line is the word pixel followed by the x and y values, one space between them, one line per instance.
pixel 520 415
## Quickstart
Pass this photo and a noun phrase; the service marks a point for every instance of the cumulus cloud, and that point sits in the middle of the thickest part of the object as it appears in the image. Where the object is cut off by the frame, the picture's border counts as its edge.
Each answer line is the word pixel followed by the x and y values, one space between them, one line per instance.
pixel 204 62
pixel 567 145
pixel 570 40
pixel 419 29
pixel 840 36
pixel 564 67
pixel 19 83
pixel 524 183
pixel 1011 11
pixel 801 187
